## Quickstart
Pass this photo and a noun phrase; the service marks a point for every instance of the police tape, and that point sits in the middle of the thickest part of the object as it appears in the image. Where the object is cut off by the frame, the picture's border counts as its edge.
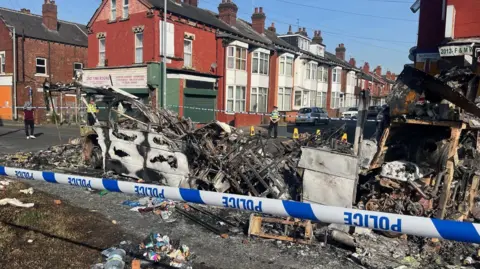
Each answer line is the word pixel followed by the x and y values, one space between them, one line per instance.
pixel 419 226
pixel 301 117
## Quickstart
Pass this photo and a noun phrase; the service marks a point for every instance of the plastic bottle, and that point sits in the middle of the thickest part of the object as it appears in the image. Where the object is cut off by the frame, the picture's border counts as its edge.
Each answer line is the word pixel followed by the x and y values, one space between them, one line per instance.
pixel 115 259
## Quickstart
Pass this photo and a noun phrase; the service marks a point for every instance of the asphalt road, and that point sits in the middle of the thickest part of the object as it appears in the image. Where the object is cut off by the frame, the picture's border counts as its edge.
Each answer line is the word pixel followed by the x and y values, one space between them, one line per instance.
pixel 369 129
pixel 13 138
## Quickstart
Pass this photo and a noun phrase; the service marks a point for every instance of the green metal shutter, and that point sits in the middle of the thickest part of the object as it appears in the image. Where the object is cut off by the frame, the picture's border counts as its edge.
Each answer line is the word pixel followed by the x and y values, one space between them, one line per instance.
pixel 199 102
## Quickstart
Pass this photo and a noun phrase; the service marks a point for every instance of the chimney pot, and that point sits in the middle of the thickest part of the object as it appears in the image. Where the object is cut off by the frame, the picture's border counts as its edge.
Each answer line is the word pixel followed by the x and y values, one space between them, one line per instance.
pixel 258 20
pixel 193 3
pixel 289 30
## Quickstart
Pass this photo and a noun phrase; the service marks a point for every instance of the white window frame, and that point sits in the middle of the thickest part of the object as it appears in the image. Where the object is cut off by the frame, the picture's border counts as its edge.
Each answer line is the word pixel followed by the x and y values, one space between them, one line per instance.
pixel 113 10
pixel 286 105
pixel 234 99
pixel 125 8
pixel 335 100
pixel 76 69
pixel 100 51
pixel 138 47
pixel 321 99
pixel 336 75
pixel 295 105
pixel 233 59
pixel 3 62
pixel 322 73
pixel 37 65
pixel 313 71
pixel 308 71
pixel 260 58
pixel 187 54
pixel 258 92
pixel 286 60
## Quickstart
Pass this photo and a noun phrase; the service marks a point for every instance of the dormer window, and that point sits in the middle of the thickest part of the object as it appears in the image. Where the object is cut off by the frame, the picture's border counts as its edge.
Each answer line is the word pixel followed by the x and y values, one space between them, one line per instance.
pixel 303 43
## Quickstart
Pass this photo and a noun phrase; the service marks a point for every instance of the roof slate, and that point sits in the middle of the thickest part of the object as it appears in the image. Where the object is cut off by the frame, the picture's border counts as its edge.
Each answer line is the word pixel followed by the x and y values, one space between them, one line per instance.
pixel 31 25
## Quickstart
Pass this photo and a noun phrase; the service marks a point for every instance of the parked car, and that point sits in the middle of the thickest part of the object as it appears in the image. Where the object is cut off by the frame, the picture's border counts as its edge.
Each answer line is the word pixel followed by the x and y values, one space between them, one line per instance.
pixel 312 115
pixel 373 111
pixel 351 113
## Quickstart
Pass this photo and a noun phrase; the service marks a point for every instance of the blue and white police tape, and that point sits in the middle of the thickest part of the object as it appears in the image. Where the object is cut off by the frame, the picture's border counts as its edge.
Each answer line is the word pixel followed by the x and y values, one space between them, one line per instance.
pixel 303 117
pixel 426 227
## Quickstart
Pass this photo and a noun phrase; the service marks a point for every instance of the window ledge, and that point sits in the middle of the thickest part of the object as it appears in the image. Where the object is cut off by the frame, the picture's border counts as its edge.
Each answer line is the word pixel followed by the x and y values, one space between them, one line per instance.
pixel 41 75
pixel 188 68
pixel 124 19
pixel 111 21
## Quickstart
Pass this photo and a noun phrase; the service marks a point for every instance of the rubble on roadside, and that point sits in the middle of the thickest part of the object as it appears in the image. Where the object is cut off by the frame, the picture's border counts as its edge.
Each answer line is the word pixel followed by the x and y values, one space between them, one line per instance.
pixel 154 251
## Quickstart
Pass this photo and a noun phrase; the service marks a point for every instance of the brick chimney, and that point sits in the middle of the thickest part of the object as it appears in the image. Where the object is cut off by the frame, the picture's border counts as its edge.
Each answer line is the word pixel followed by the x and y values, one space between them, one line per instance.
pixel 24 10
pixel 366 68
pixel 272 28
pixel 352 62
pixel 290 32
pixel 340 51
pixel 258 20
pixel 317 38
pixel 389 75
pixel 191 2
pixel 227 12
pixel 378 71
pixel 49 14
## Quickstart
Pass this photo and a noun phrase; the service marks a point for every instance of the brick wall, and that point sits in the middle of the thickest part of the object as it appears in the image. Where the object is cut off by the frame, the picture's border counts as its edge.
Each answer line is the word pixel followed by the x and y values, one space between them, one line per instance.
pixel 467 21
pixel 60 60
pixel 6 45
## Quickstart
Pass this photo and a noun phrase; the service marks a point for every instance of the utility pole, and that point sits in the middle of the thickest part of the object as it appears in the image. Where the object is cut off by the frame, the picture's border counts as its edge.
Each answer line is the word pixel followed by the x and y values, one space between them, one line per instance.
pixel 164 52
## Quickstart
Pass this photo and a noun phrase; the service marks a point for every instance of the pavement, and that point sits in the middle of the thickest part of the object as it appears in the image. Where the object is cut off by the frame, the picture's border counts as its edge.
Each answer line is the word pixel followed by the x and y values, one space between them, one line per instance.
pixel 13 138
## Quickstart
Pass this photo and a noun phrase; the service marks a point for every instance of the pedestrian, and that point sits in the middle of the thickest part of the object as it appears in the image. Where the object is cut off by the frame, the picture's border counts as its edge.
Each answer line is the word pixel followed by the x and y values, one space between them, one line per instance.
pixel 29 120
pixel 92 111
pixel 274 118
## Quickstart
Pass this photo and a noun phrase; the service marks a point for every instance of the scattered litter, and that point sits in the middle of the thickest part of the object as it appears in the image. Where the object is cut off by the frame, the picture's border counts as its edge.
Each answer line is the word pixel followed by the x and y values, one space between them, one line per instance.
pixel 103 192
pixel 57 202
pixel 15 202
pixel 160 248
pixel 4 184
pixel 30 241
pixel 114 221
pixel 289 229
pixel 27 191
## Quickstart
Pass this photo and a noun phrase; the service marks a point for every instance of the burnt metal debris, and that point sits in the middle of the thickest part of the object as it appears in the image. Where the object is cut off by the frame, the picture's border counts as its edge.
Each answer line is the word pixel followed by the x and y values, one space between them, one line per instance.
pixel 426 163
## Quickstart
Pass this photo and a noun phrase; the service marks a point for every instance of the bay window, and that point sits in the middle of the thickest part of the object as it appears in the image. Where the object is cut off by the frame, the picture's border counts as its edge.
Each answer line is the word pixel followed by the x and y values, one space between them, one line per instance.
pixel 258 99
pixel 237 58
pixel 284 99
pixel 313 75
pixel 321 99
pixel 236 98
pixel 308 72
pixel 260 63
pixel 298 98
pixel 336 75
pixel 335 100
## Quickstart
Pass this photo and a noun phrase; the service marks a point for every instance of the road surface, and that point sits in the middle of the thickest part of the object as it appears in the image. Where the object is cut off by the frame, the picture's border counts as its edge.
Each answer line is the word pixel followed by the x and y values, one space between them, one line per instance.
pixel 13 139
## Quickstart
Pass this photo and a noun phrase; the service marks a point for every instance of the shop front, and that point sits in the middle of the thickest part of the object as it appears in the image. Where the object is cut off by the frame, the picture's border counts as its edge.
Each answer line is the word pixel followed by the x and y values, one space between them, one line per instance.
pixel 5 97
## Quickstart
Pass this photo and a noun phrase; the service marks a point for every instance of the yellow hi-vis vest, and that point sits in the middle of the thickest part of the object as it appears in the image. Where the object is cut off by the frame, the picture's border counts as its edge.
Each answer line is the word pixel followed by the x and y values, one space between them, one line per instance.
pixel 92 108
pixel 275 115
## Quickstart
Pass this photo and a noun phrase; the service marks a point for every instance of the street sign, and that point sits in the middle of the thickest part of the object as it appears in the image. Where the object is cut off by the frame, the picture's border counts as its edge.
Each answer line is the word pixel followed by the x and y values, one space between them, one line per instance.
pixel 458 50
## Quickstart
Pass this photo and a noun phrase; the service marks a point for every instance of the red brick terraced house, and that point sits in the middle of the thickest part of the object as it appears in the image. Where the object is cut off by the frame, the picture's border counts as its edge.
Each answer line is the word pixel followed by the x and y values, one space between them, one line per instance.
pixel 448 35
pixel 218 66
pixel 35 49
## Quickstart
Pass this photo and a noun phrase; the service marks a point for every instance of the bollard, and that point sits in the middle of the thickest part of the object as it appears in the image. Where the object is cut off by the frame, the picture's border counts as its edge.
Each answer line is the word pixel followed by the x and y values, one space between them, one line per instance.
pixel 295 133
pixel 252 131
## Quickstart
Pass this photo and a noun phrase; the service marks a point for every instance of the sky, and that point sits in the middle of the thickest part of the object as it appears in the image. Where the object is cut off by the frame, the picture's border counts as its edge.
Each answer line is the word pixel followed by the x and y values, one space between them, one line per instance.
pixel 380 32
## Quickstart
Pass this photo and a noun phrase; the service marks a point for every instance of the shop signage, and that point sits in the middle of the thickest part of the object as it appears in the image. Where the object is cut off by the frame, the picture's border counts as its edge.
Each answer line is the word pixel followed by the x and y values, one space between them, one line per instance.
pixel 459 50
pixel 121 78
